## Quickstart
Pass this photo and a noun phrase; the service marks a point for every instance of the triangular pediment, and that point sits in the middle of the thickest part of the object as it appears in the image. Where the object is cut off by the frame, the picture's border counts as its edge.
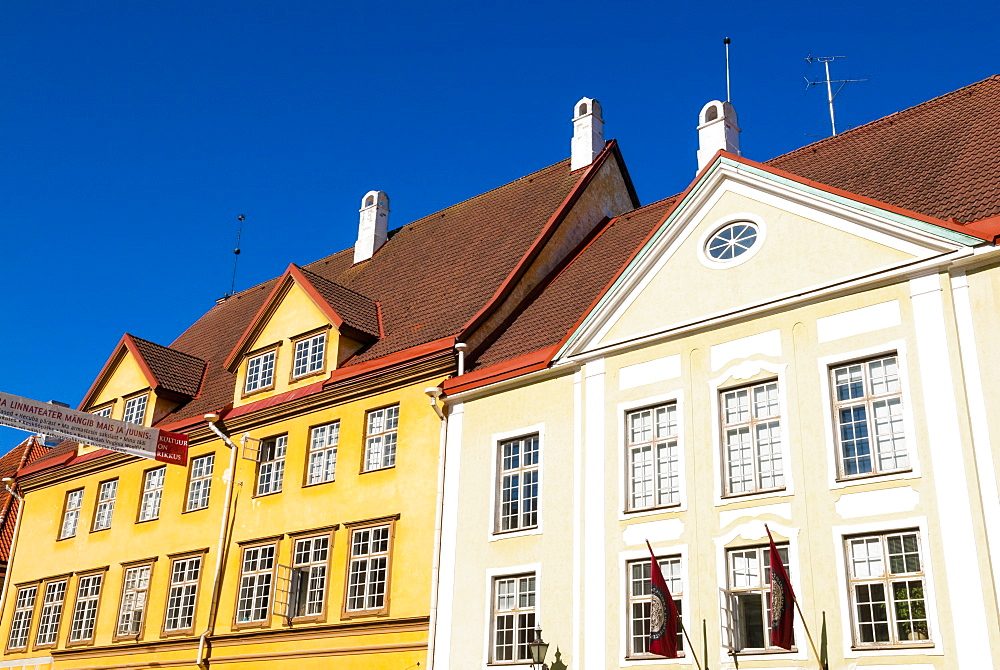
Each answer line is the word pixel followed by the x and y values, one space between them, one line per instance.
pixel 124 373
pixel 792 238
pixel 300 302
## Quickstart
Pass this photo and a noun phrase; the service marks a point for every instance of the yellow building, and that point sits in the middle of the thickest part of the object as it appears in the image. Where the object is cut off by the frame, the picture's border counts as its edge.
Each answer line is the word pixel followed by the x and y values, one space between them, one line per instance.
pixel 303 532
pixel 807 343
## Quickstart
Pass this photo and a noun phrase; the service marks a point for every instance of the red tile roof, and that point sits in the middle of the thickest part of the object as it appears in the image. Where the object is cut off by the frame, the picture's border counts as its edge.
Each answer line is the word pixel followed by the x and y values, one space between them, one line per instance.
pixel 554 313
pixel 174 370
pixel 428 280
pixel 23 454
pixel 940 158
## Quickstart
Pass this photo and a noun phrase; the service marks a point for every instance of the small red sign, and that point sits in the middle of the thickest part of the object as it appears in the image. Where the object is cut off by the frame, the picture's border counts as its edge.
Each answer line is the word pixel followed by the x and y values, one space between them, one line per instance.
pixel 172 448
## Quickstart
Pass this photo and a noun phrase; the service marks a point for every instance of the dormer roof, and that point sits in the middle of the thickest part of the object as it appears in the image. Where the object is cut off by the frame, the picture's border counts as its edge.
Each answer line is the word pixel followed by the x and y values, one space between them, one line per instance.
pixel 348 311
pixel 165 369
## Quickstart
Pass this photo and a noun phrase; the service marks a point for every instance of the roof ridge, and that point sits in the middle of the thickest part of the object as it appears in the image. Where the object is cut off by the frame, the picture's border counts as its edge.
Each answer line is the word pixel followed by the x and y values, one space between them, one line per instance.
pixel 865 126
pixel 163 346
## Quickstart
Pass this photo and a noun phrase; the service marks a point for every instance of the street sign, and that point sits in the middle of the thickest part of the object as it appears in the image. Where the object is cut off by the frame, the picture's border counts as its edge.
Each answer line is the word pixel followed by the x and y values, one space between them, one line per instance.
pixel 70 424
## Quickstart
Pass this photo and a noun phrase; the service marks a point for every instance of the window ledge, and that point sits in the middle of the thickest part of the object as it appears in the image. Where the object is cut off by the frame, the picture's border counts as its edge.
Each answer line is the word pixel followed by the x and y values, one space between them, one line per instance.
pixel 265 495
pixel 894 647
pixel 308 485
pixel 872 476
pixel 388 467
pixel 510 534
pixel 179 632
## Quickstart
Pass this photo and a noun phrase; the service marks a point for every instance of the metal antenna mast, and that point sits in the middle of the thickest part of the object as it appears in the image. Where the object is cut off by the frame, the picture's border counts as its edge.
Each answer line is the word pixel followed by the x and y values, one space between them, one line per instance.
pixel 830 95
pixel 236 251
pixel 726 41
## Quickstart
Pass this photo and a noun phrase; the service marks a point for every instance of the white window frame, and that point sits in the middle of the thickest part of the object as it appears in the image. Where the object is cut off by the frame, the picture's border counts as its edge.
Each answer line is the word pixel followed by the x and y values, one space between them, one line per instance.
pixel 135 409
pixel 868 401
pixel 517 610
pixel 491 575
pixel 520 520
pixel 314 574
pixel 103 412
pixel 24 610
pixel 675 583
pixel 751 426
pixel 71 515
pixel 153 482
pixel 827 363
pixel 104 510
pixel 762 555
pixel 271 465
pixel 321 464
pixel 51 613
pixel 265 363
pixel 750 371
pixel 753 533
pixel 839 546
pixel 492 532
pixel 384 439
pixel 354 561
pixel 182 594
pixel 625 558
pixel 199 488
pixel 309 356
pixel 675 397
pixel 83 625
pixel 669 442
pixel 135 598
pixel 252 578
pixel 717 226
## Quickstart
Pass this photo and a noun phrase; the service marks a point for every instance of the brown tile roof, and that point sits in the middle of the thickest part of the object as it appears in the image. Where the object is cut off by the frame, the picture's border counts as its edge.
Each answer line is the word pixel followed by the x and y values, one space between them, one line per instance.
pixel 357 311
pixel 940 158
pixel 174 370
pixel 555 312
pixel 429 279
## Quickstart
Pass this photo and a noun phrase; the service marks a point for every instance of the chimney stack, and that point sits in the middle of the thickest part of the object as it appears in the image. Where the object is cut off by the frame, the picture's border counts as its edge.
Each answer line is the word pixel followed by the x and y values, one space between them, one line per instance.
pixel 717 129
pixel 588 133
pixel 373 227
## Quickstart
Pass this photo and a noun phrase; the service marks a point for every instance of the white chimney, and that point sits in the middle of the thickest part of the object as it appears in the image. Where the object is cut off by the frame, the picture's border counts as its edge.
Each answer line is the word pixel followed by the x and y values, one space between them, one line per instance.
pixel 373 227
pixel 717 129
pixel 588 133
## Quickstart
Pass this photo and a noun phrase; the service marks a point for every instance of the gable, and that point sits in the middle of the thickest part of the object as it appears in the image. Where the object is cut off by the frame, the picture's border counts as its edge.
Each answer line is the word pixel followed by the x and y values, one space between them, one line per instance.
pixel 124 378
pixel 795 253
pixel 805 239
pixel 296 313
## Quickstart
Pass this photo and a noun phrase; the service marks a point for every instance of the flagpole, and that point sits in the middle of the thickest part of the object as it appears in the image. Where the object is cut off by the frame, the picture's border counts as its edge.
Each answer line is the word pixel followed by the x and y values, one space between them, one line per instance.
pixel 690 644
pixel 812 644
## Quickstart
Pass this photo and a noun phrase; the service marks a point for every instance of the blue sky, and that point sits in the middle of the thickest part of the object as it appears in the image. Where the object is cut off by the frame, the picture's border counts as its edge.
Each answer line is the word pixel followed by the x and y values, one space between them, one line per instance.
pixel 135 133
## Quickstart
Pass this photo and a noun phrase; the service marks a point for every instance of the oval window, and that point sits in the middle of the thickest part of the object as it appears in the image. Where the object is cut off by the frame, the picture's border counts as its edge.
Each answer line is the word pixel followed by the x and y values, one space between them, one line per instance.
pixel 732 241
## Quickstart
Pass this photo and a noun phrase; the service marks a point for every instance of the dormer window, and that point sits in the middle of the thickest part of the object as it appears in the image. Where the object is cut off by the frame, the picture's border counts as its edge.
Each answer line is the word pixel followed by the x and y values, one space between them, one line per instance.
pixel 135 409
pixel 260 372
pixel 309 355
pixel 104 412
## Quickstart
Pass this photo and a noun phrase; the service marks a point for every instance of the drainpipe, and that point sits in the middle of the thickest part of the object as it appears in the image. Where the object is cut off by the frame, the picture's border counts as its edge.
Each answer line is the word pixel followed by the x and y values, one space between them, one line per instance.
pixel 460 347
pixel 223 527
pixel 8 582
pixel 434 393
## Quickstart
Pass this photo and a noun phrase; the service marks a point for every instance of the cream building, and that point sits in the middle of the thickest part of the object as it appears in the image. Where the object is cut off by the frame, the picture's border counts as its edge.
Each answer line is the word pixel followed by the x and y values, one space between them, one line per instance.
pixel 766 348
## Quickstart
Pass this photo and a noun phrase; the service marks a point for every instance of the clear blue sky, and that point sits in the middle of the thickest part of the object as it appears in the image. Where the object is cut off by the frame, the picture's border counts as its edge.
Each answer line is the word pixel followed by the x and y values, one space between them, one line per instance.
pixel 134 133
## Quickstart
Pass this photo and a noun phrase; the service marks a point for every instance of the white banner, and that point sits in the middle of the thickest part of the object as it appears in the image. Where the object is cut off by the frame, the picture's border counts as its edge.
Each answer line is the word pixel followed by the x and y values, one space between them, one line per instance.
pixel 97 431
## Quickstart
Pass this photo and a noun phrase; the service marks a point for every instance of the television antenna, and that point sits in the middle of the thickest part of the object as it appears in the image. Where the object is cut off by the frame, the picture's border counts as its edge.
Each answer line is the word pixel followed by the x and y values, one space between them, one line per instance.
pixel 830 95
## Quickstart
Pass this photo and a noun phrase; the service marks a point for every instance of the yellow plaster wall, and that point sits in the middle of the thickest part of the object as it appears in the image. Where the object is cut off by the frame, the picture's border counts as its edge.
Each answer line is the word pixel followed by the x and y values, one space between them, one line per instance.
pixel 124 379
pixel 407 490
pixel 786 262
pixel 295 314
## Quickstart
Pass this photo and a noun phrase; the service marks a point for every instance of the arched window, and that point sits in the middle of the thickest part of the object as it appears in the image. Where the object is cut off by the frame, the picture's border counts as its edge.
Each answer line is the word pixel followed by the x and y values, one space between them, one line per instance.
pixel 711 114
pixel 369 201
pixel 583 109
